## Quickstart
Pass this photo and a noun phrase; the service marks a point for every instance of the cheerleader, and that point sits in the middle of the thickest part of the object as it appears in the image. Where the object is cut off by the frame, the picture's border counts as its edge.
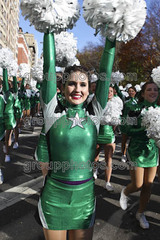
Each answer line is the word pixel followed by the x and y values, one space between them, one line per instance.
pixel 129 102
pixel 9 117
pixel 37 99
pixel 27 103
pixel 2 126
pixel 106 140
pixel 67 202
pixel 17 112
pixel 142 154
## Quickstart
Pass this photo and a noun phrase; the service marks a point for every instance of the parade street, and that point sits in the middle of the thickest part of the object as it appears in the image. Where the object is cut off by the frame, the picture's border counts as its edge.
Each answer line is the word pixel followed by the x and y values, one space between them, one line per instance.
pixel 23 182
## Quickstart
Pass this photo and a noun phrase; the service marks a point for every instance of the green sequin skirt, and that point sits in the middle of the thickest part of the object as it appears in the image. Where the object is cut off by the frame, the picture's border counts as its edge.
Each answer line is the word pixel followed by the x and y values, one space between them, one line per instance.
pixel 143 153
pixel 65 207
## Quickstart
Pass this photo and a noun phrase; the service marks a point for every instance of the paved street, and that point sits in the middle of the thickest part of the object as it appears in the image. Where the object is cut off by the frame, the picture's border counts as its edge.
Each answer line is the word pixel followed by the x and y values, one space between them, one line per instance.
pixel 20 191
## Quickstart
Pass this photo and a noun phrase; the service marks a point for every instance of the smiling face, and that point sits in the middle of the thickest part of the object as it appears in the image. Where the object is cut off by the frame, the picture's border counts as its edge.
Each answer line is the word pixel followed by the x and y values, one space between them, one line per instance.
pixel 110 93
pixel 76 88
pixel 131 92
pixel 150 93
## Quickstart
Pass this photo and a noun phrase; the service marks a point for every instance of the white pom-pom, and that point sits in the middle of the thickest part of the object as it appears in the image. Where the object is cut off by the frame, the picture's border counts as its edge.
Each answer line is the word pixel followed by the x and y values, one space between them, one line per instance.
pixel 125 93
pixel 156 75
pixel 13 68
pixel 74 61
pixel 142 83
pixel 28 93
pixel 112 112
pixel 151 121
pixel 116 77
pixel 115 19
pixel 1 71
pixel 53 16
pixel 24 70
pixel 33 85
pixel 59 69
pixel 6 58
pixel 137 87
pixel 93 78
pixel 128 86
pixel 66 49
pixel 37 71
pixel 121 88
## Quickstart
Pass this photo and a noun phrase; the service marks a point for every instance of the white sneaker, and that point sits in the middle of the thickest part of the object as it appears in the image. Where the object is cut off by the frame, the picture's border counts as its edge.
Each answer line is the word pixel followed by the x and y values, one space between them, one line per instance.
pixel 123 200
pixel 95 174
pixel 123 158
pixel 4 149
pixel 109 187
pixel 15 145
pixel 142 220
pixel 1 177
pixel 7 158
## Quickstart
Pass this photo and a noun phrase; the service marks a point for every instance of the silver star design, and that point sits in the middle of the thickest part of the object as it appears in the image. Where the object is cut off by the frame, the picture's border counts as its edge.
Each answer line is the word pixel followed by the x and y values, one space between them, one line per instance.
pixel 76 121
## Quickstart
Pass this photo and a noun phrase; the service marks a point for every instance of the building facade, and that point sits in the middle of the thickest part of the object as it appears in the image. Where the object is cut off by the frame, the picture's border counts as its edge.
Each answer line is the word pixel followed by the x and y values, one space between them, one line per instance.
pixel 9 24
pixel 24 55
pixel 32 44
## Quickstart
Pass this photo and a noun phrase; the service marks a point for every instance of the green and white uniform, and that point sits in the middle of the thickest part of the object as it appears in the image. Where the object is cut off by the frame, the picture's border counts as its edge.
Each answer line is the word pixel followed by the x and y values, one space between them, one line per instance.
pixel 9 118
pixel 17 101
pixel 142 151
pixel 106 135
pixel 2 126
pixel 125 121
pixel 68 201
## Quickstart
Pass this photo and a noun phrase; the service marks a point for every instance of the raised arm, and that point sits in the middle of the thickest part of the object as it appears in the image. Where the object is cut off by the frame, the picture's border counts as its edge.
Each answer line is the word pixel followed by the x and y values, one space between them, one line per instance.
pixel 106 65
pixel 48 89
pixel 5 81
pixel 15 88
pixel 119 93
pixel 22 85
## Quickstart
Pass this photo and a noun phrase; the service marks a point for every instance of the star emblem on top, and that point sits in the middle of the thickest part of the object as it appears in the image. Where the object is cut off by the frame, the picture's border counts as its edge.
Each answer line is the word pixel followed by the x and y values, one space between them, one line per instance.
pixel 77 121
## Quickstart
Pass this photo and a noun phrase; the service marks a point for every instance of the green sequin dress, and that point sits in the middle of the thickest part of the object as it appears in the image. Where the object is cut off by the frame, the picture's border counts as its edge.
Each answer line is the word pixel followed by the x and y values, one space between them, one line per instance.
pixel 68 142
pixel 142 151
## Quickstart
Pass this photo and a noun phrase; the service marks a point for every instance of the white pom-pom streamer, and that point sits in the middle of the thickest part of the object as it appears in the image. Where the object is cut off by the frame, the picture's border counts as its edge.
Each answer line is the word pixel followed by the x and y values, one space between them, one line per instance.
pixel 13 68
pixel 24 70
pixel 37 71
pixel 66 49
pixel 137 87
pixel 142 83
pixel 116 77
pixel 74 61
pixel 48 15
pixel 156 75
pixel 125 93
pixel 1 71
pixel 115 19
pixel 151 121
pixel 6 58
pixel 112 112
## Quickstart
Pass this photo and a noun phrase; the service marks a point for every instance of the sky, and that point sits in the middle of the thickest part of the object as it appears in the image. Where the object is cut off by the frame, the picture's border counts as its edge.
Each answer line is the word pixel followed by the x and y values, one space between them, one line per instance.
pixel 83 32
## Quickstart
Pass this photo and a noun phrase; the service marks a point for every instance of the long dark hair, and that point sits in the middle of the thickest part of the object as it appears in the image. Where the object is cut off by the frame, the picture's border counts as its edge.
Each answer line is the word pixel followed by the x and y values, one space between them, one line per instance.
pixel 132 88
pixel 75 68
